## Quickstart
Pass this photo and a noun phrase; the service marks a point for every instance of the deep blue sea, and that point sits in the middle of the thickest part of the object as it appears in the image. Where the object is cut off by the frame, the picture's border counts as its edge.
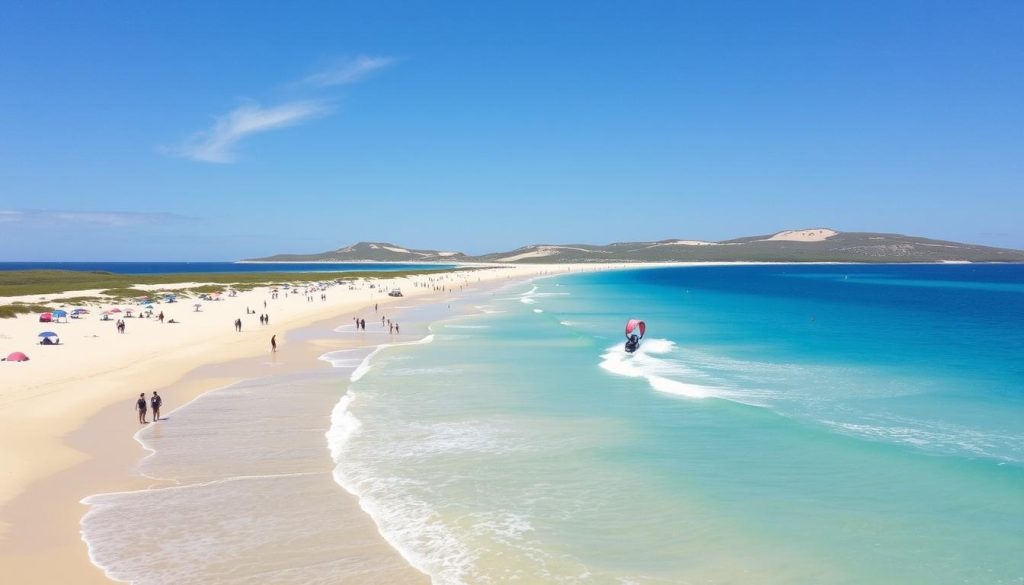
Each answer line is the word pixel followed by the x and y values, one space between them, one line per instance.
pixel 217 267
pixel 840 424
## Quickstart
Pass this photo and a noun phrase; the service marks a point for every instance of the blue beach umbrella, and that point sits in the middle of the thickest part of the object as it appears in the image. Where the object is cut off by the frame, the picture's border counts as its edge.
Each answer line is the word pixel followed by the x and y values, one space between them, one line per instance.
pixel 80 312
pixel 48 334
pixel 60 313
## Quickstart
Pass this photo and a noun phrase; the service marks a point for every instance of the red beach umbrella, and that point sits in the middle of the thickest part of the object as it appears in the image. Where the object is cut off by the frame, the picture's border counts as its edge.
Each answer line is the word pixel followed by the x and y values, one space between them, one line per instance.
pixel 17 357
pixel 115 310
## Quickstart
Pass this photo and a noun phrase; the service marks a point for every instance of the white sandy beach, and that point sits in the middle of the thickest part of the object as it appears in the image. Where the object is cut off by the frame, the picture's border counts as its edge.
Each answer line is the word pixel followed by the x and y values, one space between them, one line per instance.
pixel 66 417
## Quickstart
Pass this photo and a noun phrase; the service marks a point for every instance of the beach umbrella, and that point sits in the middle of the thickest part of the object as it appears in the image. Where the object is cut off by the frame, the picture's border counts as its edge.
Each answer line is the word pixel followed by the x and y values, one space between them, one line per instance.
pixel 80 312
pixel 115 310
pixel 60 313
pixel 48 334
pixel 17 357
pixel 45 318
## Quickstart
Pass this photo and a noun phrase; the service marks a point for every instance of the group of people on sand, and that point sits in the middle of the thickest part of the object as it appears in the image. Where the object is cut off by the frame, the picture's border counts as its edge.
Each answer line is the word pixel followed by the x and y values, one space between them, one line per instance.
pixel 392 326
pixel 264 320
pixel 140 405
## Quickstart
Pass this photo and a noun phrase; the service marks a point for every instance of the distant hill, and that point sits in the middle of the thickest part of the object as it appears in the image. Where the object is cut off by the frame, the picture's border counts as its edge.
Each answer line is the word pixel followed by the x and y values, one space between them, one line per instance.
pixel 808 245
pixel 370 252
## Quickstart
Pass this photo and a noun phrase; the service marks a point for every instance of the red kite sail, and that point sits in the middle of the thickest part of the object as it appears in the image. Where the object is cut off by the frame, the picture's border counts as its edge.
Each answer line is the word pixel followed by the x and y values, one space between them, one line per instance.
pixel 634 324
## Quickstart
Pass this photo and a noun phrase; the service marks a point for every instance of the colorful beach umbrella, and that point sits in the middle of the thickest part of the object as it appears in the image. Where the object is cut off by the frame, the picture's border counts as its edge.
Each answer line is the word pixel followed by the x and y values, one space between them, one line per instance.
pixel 60 313
pixel 80 312
pixel 48 334
pixel 115 310
pixel 17 357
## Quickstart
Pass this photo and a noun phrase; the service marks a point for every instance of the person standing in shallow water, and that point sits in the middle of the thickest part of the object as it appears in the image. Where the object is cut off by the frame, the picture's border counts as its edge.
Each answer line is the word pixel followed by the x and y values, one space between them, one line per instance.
pixel 156 402
pixel 273 343
pixel 140 405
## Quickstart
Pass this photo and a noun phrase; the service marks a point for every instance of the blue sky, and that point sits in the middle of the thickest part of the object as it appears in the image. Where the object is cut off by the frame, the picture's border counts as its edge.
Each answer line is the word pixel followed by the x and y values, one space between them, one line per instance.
pixel 216 131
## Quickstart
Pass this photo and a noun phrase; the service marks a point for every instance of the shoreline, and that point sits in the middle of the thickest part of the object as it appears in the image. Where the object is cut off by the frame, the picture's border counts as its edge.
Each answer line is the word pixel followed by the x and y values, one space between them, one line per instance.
pixel 77 424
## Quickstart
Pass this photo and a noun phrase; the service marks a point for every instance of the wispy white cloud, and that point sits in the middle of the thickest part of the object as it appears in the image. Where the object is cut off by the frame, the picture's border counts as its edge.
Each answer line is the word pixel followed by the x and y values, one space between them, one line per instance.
pixel 96 218
pixel 217 143
pixel 347 71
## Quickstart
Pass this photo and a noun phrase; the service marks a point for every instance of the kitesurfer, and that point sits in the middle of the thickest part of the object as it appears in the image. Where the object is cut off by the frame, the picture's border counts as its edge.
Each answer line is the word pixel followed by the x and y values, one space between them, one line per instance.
pixel 632 339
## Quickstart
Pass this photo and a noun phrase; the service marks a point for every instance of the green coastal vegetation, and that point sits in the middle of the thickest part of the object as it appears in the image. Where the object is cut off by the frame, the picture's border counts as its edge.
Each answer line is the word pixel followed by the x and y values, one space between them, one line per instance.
pixel 121 287
pixel 20 308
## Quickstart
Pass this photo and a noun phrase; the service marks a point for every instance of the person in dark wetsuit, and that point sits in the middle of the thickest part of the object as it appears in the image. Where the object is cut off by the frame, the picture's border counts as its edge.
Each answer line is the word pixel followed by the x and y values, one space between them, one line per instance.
pixel 156 403
pixel 632 343
pixel 140 405
pixel 273 343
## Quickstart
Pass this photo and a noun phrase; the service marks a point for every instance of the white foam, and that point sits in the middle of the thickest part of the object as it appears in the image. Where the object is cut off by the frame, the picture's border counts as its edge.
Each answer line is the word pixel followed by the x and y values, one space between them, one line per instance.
pixel 678 388
pixel 943 438
pixel 343 425
pixel 364 366
pixel 657 346
pixel 662 374
pixel 342 358
pixel 538 310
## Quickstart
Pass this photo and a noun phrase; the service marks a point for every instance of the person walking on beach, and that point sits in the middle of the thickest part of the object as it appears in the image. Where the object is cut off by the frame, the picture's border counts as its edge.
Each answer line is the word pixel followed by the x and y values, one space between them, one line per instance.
pixel 273 343
pixel 156 402
pixel 140 405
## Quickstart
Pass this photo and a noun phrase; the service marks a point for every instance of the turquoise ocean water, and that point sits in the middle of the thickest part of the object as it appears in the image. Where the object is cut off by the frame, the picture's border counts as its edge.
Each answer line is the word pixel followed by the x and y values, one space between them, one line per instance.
pixel 780 425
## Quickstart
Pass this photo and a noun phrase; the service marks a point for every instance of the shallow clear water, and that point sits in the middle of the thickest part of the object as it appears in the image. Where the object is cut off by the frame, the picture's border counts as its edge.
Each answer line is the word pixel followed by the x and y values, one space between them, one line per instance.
pixel 252 499
pixel 780 424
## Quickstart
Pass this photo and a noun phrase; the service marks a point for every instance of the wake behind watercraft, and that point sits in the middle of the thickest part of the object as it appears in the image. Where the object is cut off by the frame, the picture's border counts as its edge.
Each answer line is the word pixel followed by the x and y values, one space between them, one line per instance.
pixel 632 339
